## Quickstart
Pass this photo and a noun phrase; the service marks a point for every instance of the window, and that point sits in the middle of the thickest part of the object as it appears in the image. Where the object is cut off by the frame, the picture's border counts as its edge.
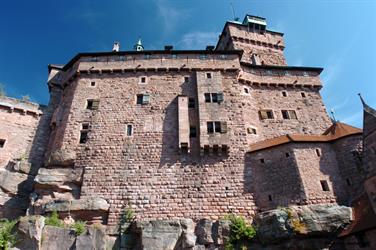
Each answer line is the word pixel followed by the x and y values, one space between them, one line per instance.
pixel 246 90
pixel 94 59
pixel 262 160
pixel 143 79
pixel 208 75
pixel 222 57
pixel 318 152
pixel 92 104
pixel 324 185
pixel 287 155
pixel 207 97
pixel 251 131
pixel 174 56
pixel 192 132
pixel 186 79
pixel 191 103
pixel 84 132
pixel 266 114
pixel 213 97
pixel 2 143
pixel 269 73
pixel 289 114
pixel 305 73
pixel 284 93
pixel 270 197
pixel 303 94
pixel 129 130
pixel 216 127
pixel 348 181
pixel 92 84
pixel 143 99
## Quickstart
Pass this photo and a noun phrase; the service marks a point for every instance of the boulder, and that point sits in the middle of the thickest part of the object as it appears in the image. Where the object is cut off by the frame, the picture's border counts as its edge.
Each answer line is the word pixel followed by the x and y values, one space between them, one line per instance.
pixel 61 157
pixel 161 234
pixel 22 166
pixel 312 220
pixel 221 231
pixel 204 232
pixel 59 176
pixel 84 204
pixel 94 238
pixel 57 238
pixel 14 182
pixel 30 232
pixel 188 238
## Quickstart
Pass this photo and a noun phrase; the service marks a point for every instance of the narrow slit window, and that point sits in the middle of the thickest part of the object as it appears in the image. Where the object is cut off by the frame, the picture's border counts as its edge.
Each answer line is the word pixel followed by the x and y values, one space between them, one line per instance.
pixel 246 90
pixel 186 79
pixel 348 182
pixel 318 152
pixel 284 93
pixel 287 154
pixel 210 127
pixel 324 185
pixel 303 94
pixel 143 79
pixel 129 130
pixel 191 103
pixel 217 127
pixel 92 84
pixel 270 197
pixel 208 75
pixel 192 132
pixel 207 97
pixel 2 143
pixel 262 160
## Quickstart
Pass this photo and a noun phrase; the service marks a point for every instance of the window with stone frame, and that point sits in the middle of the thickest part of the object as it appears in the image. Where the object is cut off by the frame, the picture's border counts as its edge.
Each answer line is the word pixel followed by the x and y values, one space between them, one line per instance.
pixel 92 104
pixel 129 129
pixel 142 99
pixel 251 130
pixel 213 97
pixel 209 75
pixel 284 93
pixel 192 132
pixel 303 94
pixel 266 114
pixel 289 114
pixel 143 80
pixel 324 185
pixel 85 129
pixel 186 79
pixel 216 127
pixel 2 143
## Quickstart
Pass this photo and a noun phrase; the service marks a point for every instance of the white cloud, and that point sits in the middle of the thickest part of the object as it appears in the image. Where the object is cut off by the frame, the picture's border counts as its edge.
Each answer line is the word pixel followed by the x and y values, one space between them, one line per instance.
pixel 170 15
pixel 198 40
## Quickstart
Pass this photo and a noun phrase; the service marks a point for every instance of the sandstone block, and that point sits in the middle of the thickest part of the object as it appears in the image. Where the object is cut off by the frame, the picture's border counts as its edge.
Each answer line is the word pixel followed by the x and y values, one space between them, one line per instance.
pixel 204 232
pixel 13 182
pixel 61 157
pixel 94 238
pixel 57 238
pixel 58 176
pixel 30 232
pixel 86 204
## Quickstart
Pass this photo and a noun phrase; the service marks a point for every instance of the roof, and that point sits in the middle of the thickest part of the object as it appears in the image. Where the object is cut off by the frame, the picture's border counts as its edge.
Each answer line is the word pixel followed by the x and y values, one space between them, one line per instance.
pixel 143 52
pixel 336 131
pixel 364 217
pixel 369 118
pixel 280 67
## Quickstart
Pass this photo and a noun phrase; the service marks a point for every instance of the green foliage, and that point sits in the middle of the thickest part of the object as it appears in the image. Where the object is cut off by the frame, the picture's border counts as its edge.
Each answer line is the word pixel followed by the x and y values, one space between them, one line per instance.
pixel 240 232
pixel 127 217
pixel 8 237
pixel 53 220
pixel 79 227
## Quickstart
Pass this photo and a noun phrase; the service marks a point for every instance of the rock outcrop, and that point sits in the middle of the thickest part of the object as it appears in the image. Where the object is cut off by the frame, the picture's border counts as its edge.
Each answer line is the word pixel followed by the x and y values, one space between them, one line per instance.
pixel 297 227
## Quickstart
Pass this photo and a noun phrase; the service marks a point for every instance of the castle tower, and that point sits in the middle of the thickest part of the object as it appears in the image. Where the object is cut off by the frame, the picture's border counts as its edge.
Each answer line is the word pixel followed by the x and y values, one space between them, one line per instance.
pixel 261 46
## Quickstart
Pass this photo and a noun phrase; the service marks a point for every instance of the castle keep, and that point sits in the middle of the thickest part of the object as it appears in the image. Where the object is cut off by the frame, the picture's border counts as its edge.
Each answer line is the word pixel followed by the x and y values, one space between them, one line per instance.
pixel 179 134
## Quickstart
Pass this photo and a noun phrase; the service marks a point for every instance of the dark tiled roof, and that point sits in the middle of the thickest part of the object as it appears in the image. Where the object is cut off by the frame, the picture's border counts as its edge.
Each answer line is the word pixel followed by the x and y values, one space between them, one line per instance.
pixel 336 131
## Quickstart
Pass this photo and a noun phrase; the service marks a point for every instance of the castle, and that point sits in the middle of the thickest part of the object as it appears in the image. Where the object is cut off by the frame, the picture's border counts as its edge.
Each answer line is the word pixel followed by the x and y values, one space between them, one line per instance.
pixel 180 134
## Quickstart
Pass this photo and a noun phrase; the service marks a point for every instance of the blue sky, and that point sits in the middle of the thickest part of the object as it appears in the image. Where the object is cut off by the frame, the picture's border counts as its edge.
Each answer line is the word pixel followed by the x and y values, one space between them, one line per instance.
pixel 337 35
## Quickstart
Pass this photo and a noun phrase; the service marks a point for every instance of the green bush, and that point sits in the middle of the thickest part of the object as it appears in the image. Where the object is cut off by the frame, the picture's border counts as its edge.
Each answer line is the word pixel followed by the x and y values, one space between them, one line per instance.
pixel 79 227
pixel 53 220
pixel 240 232
pixel 8 237
pixel 127 217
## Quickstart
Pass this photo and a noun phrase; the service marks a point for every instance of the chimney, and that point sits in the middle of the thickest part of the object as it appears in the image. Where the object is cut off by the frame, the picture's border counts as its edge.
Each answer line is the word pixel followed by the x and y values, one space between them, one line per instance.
pixel 116 47
pixel 168 47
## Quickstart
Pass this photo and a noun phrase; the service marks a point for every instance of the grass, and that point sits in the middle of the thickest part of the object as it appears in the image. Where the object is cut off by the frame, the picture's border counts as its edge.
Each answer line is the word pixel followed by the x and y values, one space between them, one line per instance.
pixel 53 220
pixel 79 227
pixel 8 237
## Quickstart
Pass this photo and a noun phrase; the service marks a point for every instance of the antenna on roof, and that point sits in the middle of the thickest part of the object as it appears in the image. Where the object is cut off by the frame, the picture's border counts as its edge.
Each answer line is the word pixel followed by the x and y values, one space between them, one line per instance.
pixel 361 99
pixel 333 117
pixel 233 12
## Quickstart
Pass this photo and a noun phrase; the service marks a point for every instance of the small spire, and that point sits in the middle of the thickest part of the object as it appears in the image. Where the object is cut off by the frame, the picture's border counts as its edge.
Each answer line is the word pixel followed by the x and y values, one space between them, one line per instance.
pixel 138 46
pixel 362 100
pixel 333 118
